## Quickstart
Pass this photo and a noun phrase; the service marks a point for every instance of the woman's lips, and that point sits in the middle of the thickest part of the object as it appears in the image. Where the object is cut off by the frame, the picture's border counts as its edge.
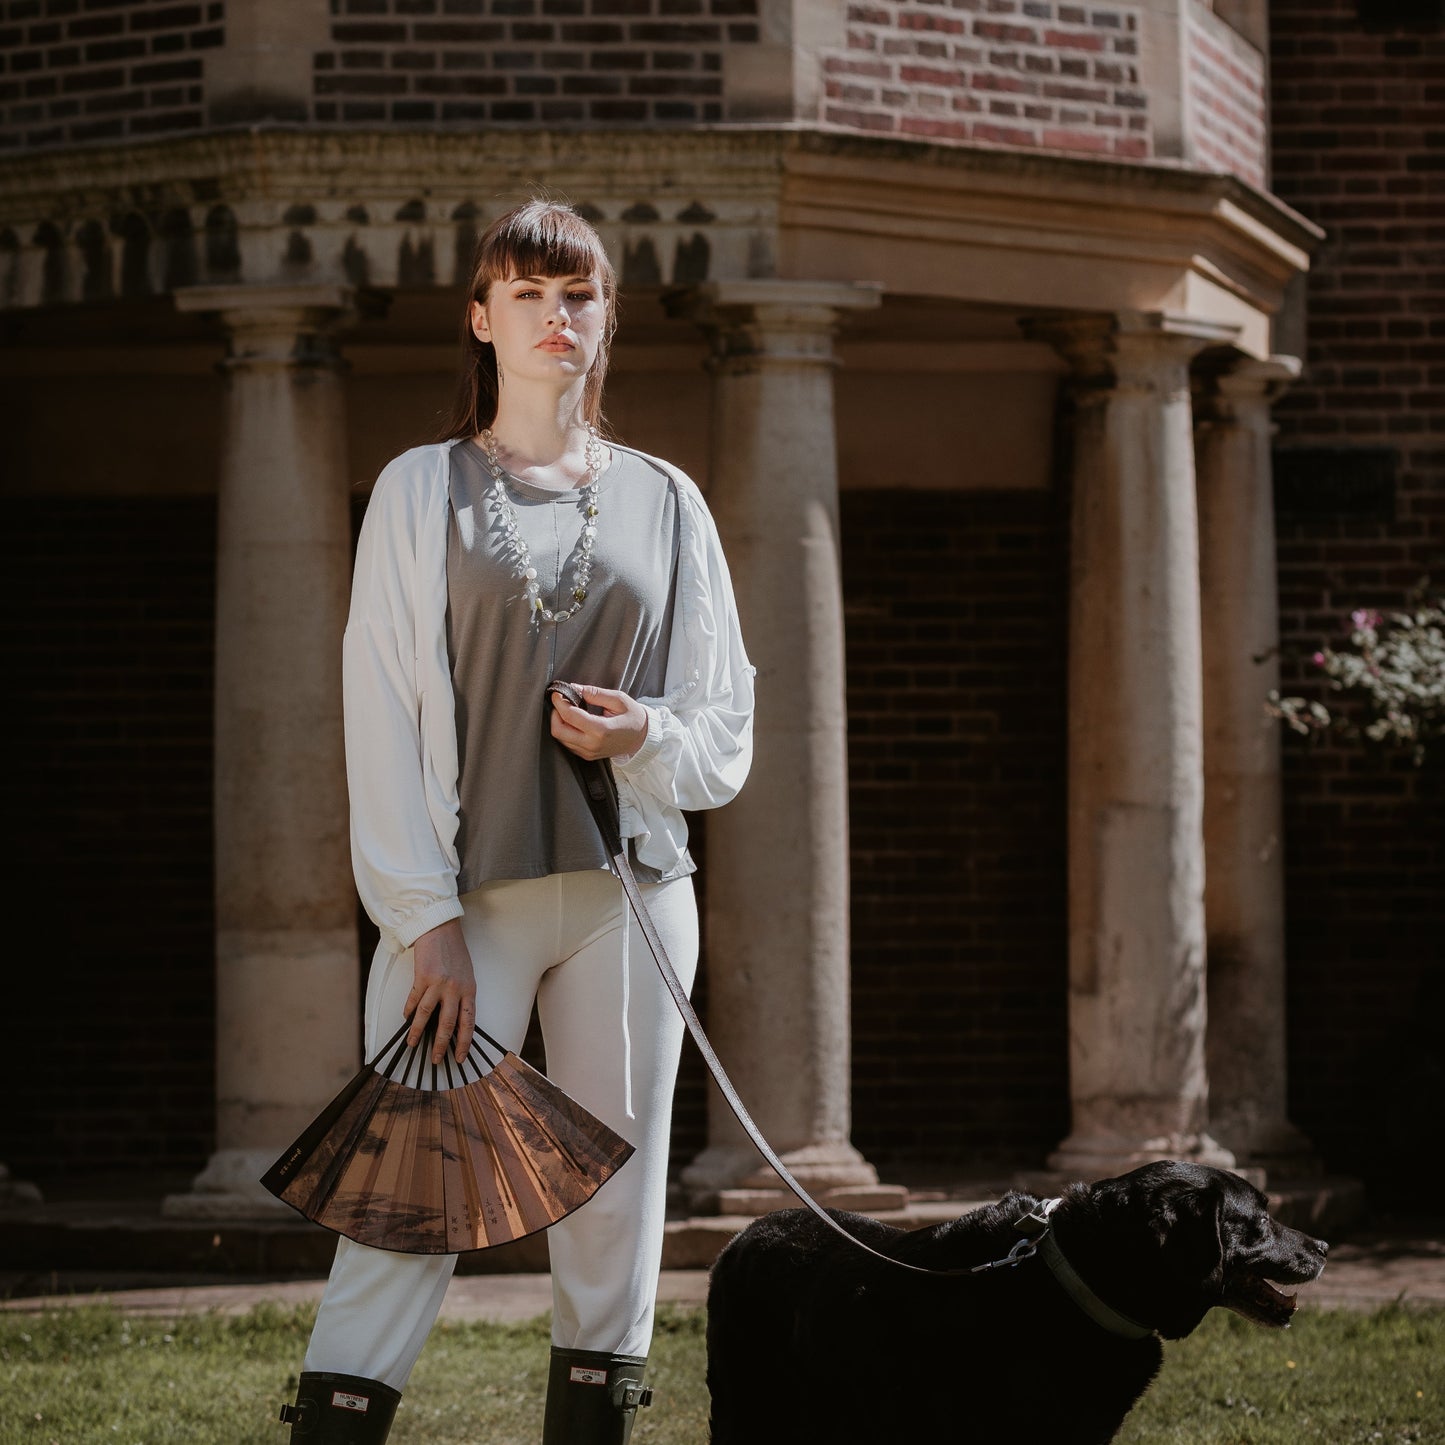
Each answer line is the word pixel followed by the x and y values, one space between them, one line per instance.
pixel 556 346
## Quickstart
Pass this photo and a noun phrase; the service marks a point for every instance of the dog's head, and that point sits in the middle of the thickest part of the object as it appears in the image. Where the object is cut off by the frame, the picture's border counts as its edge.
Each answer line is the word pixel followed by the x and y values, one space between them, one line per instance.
pixel 1185 1238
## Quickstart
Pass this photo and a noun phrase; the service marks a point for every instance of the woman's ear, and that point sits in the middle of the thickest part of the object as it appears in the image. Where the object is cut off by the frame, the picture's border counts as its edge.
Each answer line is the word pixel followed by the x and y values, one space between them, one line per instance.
pixel 480 329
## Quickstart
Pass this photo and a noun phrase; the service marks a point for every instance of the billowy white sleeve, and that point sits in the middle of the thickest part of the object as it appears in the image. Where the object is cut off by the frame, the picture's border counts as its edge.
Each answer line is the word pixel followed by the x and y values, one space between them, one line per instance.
pixel 698 756
pixel 407 883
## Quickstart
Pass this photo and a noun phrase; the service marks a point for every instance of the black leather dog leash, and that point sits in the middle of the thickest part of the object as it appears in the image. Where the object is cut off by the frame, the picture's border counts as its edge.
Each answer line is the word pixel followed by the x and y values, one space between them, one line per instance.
pixel 600 789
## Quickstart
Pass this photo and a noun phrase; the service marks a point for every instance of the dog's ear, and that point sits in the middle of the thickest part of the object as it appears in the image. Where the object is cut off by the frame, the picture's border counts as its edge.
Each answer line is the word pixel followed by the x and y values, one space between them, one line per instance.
pixel 1210 1206
pixel 1189 1226
pixel 1200 1241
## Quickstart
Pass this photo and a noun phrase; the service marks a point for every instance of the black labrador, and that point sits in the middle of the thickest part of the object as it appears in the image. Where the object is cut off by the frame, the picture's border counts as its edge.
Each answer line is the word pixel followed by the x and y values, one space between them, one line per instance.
pixel 810 1339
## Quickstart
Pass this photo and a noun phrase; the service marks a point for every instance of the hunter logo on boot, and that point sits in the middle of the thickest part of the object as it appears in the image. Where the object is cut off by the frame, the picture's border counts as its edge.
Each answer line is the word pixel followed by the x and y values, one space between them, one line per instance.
pixel 340 1401
pixel 581 1376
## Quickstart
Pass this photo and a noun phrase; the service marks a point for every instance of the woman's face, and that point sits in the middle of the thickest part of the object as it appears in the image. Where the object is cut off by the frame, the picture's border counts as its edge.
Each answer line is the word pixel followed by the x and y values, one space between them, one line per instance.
pixel 528 318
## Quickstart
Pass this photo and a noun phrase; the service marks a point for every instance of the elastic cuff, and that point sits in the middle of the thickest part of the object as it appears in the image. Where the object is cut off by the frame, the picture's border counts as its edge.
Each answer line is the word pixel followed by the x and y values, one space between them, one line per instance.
pixel 651 744
pixel 430 917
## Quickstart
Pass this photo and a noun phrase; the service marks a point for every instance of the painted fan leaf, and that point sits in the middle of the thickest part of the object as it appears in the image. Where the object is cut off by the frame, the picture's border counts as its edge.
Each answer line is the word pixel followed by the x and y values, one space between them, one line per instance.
pixel 489 1153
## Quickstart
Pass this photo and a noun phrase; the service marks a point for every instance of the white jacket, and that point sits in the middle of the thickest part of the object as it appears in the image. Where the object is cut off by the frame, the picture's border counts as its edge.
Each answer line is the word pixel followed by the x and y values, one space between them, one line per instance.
pixel 400 717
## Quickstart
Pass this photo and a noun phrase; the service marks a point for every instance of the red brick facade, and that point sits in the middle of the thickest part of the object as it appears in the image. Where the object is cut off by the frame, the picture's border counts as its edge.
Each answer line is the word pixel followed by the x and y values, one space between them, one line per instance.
pixel 1225 99
pixel 557 61
pixel 1359 147
pixel 78 70
pixel 107 623
pixel 956 615
pixel 997 72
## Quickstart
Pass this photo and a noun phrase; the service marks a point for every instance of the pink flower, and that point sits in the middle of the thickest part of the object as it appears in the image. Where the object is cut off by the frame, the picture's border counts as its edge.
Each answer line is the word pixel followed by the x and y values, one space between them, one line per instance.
pixel 1319 659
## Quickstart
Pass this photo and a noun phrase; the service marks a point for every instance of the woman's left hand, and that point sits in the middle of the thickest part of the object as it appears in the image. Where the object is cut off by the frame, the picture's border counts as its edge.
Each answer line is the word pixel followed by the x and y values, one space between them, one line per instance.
pixel 618 732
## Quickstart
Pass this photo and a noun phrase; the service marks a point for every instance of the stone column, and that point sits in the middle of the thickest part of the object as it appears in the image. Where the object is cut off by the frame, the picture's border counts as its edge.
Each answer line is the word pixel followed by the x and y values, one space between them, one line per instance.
pixel 1136 767
pixel 266 68
pixel 1244 860
pixel 777 856
pixel 287 985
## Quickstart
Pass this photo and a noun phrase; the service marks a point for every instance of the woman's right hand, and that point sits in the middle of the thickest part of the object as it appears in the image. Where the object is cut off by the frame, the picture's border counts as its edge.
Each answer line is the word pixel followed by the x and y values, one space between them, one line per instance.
pixel 443 977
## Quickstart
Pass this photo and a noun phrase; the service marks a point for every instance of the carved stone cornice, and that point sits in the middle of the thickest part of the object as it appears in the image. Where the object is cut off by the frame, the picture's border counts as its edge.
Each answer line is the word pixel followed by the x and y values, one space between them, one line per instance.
pixel 402 209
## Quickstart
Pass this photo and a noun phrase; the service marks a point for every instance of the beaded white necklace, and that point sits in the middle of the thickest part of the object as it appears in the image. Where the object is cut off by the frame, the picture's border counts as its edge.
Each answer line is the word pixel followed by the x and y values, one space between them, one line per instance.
pixel 526 572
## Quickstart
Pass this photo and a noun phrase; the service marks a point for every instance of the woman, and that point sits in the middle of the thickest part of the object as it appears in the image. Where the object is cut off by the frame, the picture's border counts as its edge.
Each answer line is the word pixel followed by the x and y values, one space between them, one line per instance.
pixel 521 548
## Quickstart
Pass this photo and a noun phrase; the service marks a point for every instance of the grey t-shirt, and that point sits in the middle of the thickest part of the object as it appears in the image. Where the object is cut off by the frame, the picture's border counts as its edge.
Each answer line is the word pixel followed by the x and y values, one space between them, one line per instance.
pixel 522 814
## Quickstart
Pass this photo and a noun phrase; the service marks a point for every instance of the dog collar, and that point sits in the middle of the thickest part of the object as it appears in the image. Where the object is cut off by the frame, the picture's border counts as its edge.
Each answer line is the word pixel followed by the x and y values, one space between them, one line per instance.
pixel 1037 1229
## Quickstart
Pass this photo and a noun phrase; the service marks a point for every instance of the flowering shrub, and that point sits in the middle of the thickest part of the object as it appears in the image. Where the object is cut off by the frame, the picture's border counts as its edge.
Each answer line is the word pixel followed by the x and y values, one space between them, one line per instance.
pixel 1397 665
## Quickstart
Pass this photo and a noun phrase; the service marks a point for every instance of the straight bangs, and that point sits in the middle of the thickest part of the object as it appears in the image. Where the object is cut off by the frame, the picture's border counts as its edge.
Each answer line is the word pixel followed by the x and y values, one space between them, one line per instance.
pixel 546 240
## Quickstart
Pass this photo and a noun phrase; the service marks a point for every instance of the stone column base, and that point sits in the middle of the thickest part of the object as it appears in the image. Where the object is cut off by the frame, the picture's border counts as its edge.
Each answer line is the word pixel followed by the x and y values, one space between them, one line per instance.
pixel 1275 1146
pixel 814 1166
pixel 733 1179
pixel 229 1187
pixel 1101 1156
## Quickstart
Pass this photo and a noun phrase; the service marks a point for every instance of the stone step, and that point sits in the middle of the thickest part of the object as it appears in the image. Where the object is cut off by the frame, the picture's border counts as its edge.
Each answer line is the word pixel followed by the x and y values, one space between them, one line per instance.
pixel 97 1236
pixel 861 1198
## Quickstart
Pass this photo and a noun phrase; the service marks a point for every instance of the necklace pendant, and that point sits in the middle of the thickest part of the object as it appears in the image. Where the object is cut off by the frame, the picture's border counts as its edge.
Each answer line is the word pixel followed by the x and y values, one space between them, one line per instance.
pixel 526 573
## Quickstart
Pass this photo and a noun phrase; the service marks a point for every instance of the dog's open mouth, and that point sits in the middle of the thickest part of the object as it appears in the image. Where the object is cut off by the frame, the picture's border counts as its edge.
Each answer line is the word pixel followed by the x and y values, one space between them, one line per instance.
pixel 1255 1298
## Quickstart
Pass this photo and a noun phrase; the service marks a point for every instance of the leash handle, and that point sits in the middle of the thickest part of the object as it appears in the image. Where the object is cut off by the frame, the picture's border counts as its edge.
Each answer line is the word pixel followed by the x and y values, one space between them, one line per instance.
pixel 599 787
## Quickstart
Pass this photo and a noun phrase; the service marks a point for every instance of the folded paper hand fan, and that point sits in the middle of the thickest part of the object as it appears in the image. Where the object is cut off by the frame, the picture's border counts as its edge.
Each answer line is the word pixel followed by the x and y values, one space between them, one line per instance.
pixel 430 1158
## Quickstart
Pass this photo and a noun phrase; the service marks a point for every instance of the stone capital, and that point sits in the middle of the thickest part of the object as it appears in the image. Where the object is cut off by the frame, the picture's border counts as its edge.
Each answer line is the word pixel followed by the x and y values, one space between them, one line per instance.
pixel 766 320
pixel 1243 389
pixel 277 325
pixel 1120 348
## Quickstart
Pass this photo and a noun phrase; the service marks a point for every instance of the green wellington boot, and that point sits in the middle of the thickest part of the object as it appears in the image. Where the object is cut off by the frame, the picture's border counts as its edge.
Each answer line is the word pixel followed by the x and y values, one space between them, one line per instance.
pixel 593 1398
pixel 341 1410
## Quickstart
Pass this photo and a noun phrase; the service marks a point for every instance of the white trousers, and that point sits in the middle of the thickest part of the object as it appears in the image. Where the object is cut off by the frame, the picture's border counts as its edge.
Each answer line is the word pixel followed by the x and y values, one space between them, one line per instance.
pixel 557 939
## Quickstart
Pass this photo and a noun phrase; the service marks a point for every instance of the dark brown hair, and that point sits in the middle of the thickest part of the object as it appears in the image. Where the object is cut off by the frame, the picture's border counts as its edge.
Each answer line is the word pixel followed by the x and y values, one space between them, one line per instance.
pixel 541 237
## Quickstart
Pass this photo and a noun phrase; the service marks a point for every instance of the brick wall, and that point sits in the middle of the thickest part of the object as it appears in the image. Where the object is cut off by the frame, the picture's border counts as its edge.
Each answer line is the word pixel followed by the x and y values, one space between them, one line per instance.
pixel 106 631
pixel 529 61
pixel 82 70
pixel 956 611
pixel 955 616
pixel 78 70
pixel 994 72
pixel 1359 147
pixel 1225 99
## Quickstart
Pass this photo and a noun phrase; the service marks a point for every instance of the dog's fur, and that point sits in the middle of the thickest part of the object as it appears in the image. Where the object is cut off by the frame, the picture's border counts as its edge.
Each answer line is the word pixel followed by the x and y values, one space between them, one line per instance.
pixel 811 1339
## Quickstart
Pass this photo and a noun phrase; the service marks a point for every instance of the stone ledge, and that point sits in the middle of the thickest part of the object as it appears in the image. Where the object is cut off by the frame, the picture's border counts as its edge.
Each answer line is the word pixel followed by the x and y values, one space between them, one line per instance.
pixel 1325 1205
pixel 37 1240
pixel 861 1198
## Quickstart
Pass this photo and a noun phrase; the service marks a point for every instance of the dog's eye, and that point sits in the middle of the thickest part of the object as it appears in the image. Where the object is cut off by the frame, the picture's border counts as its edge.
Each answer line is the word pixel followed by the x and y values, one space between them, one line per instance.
pixel 1259 1227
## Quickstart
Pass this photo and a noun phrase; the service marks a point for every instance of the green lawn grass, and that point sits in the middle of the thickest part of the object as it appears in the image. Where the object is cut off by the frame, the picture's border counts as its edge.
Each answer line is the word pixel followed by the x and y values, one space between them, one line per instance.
pixel 88 1375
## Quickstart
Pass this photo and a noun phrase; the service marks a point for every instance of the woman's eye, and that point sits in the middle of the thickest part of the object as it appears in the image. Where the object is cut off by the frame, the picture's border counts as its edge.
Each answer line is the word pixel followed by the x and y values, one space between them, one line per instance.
pixel 572 295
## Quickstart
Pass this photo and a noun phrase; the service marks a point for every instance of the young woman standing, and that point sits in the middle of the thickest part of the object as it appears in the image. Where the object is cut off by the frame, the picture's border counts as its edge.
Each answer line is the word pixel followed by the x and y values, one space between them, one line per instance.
pixel 520 548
